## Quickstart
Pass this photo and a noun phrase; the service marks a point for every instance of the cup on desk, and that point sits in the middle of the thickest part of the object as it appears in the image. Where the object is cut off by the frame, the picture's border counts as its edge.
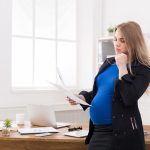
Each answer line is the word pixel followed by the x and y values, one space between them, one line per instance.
pixel 20 119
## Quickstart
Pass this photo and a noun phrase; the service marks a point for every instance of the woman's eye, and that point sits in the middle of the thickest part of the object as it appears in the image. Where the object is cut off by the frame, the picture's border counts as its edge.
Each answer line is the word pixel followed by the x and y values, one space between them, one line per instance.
pixel 122 41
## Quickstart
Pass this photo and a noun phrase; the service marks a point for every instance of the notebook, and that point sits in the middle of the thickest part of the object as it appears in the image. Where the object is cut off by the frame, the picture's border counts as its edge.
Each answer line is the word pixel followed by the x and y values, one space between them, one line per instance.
pixel 37 130
pixel 78 133
pixel 44 115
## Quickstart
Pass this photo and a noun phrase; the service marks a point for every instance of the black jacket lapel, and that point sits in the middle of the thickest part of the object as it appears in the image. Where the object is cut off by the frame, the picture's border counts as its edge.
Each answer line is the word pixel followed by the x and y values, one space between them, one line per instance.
pixel 106 63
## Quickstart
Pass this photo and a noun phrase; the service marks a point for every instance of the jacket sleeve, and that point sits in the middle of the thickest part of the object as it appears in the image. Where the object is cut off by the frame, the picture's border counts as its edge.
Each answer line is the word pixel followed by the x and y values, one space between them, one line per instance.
pixel 131 88
pixel 88 98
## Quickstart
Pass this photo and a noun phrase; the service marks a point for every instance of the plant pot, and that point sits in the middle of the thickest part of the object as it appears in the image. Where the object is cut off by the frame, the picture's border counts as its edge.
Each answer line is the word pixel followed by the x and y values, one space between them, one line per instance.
pixel 6 132
pixel 110 33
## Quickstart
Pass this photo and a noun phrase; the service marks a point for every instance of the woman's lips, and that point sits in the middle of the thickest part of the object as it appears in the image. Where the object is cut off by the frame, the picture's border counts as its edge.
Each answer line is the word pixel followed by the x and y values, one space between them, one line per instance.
pixel 118 50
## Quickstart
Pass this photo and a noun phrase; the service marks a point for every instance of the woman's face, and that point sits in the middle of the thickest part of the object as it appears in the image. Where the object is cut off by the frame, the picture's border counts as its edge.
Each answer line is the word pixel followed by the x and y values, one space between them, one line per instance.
pixel 119 43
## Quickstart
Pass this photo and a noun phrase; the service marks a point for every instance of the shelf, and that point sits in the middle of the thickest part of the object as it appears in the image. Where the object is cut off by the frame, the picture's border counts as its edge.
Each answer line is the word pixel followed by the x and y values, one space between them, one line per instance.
pixel 108 38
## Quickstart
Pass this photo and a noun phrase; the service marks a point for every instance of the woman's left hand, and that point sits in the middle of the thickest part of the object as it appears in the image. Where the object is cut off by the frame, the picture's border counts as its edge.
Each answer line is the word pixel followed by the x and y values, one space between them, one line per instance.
pixel 121 62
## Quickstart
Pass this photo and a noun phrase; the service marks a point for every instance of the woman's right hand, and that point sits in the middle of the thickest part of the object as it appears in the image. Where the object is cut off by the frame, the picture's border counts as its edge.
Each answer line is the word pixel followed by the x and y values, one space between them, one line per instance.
pixel 73 102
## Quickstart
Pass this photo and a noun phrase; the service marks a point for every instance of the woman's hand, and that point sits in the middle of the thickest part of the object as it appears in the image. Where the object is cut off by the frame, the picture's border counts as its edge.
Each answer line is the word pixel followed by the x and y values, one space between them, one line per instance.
pixel 121 62
pixel 72 102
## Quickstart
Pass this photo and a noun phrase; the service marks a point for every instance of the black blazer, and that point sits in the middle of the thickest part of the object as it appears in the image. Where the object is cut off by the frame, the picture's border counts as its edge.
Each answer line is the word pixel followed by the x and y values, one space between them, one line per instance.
pixel 126 118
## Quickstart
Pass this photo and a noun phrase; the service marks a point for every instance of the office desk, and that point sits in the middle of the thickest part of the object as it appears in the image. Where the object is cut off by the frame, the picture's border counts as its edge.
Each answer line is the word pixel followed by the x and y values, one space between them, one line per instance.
pixel 54 142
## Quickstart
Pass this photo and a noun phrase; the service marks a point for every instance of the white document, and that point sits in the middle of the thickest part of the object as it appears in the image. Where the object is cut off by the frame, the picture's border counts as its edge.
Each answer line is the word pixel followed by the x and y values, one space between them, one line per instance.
pixel 60 76
pixel 69 94
pixel 78 134
pixel 37 130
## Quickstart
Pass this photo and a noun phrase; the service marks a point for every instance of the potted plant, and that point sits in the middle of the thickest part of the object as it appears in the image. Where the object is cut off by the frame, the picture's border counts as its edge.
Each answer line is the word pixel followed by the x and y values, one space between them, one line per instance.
pixel 6 127
pixel 110 30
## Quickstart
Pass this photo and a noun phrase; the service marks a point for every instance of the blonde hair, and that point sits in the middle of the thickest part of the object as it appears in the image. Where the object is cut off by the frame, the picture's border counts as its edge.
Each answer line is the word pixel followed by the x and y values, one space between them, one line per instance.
pixel 135 42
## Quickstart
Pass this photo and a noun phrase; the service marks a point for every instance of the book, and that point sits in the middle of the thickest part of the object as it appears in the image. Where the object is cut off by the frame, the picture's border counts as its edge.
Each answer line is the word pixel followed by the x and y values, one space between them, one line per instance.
pixel 77 133
pixel 37 130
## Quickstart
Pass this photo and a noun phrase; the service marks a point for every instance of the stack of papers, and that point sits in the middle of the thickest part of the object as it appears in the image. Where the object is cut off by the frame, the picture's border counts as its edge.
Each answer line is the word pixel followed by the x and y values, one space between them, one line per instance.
pixel 78 133
pixel 66 91
pixel 37 130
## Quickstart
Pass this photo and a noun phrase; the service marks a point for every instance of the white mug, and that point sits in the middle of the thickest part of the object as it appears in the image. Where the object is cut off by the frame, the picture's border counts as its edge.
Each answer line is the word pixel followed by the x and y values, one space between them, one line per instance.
pixel 20 118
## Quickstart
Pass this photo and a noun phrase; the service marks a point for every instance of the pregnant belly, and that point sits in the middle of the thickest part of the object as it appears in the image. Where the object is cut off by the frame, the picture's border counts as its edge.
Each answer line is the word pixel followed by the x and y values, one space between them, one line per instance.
pixel 102 109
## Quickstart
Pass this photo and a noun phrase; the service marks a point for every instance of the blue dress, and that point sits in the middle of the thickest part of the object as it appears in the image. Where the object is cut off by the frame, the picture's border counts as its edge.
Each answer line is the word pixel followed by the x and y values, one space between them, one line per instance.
pixel 101 112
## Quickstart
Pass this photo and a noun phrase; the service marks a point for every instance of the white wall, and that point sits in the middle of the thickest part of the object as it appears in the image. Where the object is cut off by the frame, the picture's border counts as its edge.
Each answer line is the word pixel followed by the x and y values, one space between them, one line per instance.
pixel 117 11
pixel 144 105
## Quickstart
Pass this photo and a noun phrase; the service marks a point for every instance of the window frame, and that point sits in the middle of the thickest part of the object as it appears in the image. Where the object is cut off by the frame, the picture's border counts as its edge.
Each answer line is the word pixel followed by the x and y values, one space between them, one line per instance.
pixel 34 38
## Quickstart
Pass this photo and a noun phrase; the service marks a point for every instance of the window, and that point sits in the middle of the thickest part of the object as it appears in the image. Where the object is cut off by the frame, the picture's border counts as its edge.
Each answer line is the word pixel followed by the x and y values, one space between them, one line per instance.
pixel 43 38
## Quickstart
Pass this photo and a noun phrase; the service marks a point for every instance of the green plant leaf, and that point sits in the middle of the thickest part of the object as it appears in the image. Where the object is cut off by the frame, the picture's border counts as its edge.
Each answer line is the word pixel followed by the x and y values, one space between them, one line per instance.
pixel 7 123
pixel 110 29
